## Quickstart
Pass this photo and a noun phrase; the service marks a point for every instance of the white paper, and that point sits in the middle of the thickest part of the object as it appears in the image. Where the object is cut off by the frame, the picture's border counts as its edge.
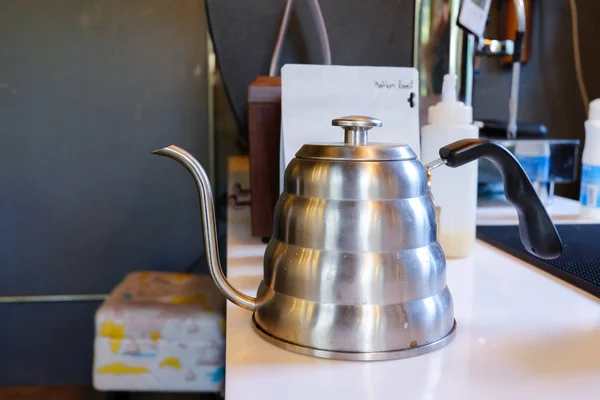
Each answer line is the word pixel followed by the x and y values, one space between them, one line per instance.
pixel 313 95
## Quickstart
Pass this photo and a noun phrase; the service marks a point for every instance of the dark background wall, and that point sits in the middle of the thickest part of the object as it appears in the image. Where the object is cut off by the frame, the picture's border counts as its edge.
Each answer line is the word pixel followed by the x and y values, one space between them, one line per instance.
pixel 87 90
pixel 548 91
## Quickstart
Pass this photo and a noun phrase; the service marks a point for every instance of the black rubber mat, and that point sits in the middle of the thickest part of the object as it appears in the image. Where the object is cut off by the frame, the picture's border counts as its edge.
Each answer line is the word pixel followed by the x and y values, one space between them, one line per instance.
pixel 579 264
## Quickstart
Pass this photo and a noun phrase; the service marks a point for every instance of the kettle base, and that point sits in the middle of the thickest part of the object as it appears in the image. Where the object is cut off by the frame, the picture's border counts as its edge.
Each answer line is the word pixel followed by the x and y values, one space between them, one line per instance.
pixel 354 356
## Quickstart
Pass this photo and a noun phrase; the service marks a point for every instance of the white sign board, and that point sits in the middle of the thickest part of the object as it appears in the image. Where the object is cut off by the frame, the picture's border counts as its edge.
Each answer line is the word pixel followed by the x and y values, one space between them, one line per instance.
pixel 313 95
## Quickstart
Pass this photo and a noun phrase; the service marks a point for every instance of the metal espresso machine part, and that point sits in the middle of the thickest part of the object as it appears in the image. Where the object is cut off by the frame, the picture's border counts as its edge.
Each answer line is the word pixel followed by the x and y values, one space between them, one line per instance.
pixel 441 46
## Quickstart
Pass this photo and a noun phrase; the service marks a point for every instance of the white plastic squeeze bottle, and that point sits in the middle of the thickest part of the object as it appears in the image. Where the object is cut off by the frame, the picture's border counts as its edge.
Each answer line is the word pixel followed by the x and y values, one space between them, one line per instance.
pixel 454 190
pixel 590 165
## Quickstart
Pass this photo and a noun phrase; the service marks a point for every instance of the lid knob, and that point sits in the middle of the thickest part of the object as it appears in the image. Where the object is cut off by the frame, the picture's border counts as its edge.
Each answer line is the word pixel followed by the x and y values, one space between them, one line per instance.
pixel 356 128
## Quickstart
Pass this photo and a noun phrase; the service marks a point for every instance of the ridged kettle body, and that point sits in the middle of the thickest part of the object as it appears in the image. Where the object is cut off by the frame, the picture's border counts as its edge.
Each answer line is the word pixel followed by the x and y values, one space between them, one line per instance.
pixel 354 264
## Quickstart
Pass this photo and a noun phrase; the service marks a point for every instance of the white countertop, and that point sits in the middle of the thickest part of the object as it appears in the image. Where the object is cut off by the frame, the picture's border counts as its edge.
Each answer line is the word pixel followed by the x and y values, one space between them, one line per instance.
pixel 521 334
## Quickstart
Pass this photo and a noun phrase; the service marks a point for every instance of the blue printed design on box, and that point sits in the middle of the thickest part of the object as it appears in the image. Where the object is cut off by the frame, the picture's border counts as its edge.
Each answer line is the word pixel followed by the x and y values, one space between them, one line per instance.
pixel 217 375
pixel 537 168
pixel 590 185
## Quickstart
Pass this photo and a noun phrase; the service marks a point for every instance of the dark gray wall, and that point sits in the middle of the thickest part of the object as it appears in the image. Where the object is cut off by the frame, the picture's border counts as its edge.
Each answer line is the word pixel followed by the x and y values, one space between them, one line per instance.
pixel 87 90
pixel 549 93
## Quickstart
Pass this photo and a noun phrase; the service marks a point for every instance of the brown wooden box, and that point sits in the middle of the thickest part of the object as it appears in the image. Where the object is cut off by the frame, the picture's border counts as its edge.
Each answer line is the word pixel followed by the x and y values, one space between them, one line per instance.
pixel 264 129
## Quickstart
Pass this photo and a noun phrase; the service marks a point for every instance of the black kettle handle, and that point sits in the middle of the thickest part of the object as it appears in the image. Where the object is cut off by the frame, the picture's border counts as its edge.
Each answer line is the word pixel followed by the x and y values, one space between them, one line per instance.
pixel 538 233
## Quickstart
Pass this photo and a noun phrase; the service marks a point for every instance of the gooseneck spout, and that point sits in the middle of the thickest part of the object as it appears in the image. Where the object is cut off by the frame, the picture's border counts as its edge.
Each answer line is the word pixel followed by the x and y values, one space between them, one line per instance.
pixel 207 211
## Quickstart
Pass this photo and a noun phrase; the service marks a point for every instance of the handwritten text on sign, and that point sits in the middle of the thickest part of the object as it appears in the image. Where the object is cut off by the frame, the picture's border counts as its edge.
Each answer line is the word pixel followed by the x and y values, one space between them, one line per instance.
pixel 393 85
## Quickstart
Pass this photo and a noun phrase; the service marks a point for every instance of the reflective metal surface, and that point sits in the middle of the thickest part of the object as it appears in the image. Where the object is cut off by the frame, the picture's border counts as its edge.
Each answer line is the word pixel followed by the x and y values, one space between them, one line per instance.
pixel 354 265
pixel 492 47
pixel 353 270
pixel 353 356
pixel 357 121
pixel 513 101
pixel 372 152
pixel 356 144
pixel 439 49
pixel 209 226
pixel 356 128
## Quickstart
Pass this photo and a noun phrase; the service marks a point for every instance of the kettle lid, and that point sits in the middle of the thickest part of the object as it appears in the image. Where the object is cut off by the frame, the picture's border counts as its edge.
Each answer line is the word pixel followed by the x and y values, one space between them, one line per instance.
pixel 356 146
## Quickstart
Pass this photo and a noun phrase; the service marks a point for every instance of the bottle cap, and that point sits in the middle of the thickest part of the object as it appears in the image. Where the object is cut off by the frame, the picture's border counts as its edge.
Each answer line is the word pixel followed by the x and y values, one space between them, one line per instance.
pixel 594 113
pixel 450 110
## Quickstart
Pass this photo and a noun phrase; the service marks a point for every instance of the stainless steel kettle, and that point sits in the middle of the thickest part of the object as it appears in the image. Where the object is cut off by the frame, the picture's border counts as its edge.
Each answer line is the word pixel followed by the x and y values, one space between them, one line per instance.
pixel 354 270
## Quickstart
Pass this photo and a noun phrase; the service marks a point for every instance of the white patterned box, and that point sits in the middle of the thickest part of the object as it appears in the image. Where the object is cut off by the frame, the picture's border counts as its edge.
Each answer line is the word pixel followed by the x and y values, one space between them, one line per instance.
pixel 161 332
